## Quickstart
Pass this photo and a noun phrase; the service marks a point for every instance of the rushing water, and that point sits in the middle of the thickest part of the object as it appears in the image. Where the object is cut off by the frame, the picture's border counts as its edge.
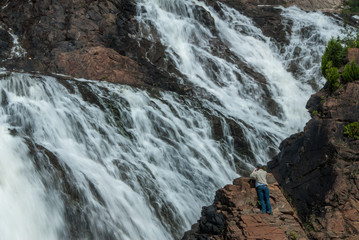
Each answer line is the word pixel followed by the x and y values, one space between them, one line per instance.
pixel 271 110
pixel 88 160
pixel 143 166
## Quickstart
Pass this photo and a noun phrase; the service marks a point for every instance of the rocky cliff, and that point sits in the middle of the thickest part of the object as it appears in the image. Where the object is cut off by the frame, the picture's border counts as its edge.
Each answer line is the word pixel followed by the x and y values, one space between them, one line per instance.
pixel 99 39
pixel 267 17
pixel 318 170
pixel 235 215
pixel 319 167
pixel 84 39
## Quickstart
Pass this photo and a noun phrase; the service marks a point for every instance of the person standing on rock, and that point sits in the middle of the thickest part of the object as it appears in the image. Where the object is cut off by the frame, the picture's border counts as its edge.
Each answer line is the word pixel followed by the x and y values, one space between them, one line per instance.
pixel 262 188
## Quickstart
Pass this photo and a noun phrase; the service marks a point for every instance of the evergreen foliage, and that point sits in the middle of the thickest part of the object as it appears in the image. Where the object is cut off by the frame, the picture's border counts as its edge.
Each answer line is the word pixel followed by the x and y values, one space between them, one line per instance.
pixel 332 75
pixel 352 6
pixel 333 59
pixel 334 53
pixel 352 130
pixel 350 73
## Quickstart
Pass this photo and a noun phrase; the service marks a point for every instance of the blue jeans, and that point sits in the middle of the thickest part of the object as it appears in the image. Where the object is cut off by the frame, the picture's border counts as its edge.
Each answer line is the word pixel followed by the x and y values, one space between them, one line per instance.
pixel 263 197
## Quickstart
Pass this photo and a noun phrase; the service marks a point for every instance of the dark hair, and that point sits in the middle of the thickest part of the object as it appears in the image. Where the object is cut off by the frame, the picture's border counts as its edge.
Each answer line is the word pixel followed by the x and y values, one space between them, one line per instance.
pixel 259 166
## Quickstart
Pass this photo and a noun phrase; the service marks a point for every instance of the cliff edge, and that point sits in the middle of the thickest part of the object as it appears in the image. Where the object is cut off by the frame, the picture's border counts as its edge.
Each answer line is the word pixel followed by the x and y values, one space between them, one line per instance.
pixel 318 172
pixel 319 167
pixel 235 215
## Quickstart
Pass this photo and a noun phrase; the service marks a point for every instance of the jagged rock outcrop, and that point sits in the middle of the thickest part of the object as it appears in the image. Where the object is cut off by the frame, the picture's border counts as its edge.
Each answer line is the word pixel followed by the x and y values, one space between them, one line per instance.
pixel 307 5
pixel 51 32
pixel 101 63
pixel 316 5
pixel 235 215
pixel 263 13
pixel 318 170
pixel 268 17
pixel 319 167
pixel 87 39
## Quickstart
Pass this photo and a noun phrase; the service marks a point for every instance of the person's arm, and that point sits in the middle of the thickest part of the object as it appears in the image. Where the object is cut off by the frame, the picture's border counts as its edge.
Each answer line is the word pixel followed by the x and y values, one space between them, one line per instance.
pixel 253 173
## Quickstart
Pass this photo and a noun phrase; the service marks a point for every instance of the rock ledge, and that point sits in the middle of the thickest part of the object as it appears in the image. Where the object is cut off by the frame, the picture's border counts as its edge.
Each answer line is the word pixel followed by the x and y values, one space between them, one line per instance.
pixel 235 215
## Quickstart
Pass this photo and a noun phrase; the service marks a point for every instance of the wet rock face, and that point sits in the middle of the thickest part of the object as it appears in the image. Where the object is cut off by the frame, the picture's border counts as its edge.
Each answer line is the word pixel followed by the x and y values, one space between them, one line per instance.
pixel 53 31
pixel 307 5
pixel 101 63
pixel 314 5
pixel 5 44
pixel 263 13
pixel 267 17
pixel 243 219
pixel 81 38
pixel 319 168
pixel 211 222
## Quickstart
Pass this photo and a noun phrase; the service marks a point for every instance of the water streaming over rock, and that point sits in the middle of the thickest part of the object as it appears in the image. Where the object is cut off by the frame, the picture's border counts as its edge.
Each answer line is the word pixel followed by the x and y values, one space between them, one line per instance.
pixel 271 99
pixel 123 165
pixel 88 160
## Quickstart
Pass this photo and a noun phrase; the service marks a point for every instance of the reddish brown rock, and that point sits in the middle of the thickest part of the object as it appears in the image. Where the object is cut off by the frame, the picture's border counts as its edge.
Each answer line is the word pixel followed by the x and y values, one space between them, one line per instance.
pixel 353 55
pixel 319 168
pixel 92 39
pixel 100 63
pixel 267 16
pixel 316 5
pixel 243 219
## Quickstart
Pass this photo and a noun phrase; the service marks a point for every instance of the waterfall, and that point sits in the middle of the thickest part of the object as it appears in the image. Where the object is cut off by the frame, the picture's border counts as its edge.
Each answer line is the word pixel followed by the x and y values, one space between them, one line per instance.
pixel 25 213
pixel 271 102
pixel 140 167
pixel 92 160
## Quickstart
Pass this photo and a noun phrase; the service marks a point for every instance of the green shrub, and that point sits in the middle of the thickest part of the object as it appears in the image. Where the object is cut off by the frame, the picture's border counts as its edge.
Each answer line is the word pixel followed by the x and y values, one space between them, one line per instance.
pixel 352 6
pixel 293 235
pixel 334 53
pixel 332 76
pixel 351 72
pixel 308 226
pixel 352 130
pixel 322 99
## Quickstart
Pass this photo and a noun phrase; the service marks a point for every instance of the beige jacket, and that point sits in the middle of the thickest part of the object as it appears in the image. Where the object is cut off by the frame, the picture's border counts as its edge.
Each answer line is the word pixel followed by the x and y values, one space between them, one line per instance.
pixel 260 176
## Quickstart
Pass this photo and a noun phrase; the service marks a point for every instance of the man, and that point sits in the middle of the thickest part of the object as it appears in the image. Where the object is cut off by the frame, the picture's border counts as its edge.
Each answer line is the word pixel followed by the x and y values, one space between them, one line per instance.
pixel 262 189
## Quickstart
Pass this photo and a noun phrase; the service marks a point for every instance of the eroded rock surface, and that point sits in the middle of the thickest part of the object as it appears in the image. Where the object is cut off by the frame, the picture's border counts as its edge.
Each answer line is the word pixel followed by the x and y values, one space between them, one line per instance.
pixel 267 15
pixel 100 63
pixel 52 31
pixel 82 38
pixel 319 167
pixel 235 215
pixel 316 5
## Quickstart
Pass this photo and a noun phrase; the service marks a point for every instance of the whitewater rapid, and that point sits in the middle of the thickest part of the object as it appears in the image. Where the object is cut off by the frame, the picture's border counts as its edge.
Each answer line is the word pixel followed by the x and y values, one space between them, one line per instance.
pixel 272 110
pixel 92 160
pixel 135 160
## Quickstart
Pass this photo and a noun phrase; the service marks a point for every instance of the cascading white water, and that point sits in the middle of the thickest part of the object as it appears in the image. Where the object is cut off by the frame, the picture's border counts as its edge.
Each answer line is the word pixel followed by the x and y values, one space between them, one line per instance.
pixel 130 164
pixel 190 45
pixel 25 211
pixel 152 165
pixel 310 33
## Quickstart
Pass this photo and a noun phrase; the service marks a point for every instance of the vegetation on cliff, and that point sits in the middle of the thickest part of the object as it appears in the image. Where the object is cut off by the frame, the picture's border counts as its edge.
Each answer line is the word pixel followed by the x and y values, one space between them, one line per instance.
pixel 350 73
pixel 333 56
pixel 351 6
pixel 318 168
pixel 335 65
pixel 352 130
